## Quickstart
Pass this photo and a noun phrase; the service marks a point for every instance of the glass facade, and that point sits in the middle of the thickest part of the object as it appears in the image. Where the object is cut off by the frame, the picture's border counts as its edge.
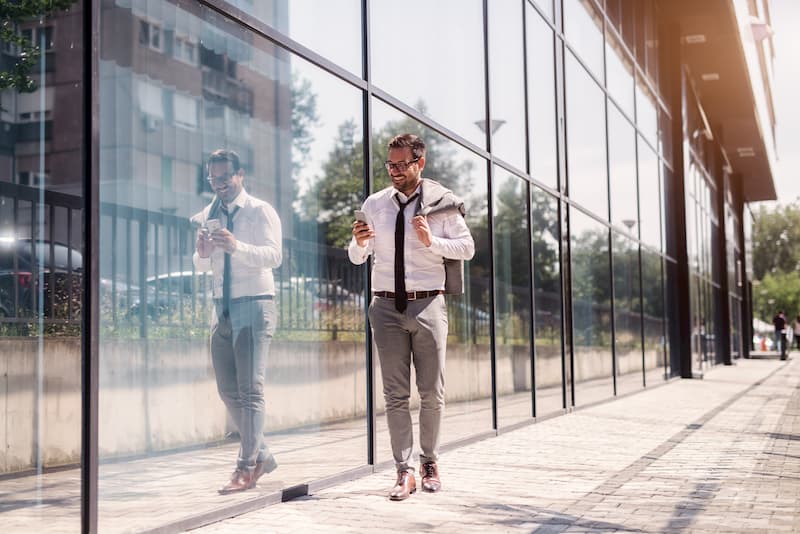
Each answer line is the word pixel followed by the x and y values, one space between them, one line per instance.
pixel 547 117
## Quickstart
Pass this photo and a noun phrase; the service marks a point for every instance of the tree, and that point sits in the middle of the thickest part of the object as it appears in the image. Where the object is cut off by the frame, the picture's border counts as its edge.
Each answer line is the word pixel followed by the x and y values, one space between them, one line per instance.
pixel 776 240
pixel 12 13
pixel 331 199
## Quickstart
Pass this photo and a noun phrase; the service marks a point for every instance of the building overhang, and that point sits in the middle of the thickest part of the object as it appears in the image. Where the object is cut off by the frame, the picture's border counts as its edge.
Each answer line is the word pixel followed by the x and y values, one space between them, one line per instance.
pixel 719 49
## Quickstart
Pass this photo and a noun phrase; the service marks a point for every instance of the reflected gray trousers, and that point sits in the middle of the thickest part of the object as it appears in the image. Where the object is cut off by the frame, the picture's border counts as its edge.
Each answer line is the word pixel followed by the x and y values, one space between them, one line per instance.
pixel 418 335
pixel 239 350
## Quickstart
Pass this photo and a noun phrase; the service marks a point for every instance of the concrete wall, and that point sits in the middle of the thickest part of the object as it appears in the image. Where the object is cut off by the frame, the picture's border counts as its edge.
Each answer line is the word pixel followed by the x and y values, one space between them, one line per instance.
pixel 161 394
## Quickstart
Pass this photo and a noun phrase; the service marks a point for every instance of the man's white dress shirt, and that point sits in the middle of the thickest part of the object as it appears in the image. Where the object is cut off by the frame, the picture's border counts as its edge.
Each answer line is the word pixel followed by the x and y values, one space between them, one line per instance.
pixel 257 229
pixel 423 265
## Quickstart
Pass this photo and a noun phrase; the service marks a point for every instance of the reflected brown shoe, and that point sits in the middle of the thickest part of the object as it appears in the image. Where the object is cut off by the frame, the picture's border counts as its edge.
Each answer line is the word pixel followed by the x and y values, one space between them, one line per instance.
pixel 267 466
pixel 430 477
pixel 405 486
pixel 241 480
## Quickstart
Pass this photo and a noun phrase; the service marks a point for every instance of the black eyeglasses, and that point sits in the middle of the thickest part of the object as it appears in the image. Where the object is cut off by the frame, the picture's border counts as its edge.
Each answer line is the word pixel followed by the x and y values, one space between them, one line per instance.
pixel 400 165
pixel 224 179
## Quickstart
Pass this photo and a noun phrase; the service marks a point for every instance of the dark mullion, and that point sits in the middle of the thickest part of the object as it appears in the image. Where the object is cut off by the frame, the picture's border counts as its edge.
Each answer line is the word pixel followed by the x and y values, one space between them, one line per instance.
pixel 366 269
pixel 91 303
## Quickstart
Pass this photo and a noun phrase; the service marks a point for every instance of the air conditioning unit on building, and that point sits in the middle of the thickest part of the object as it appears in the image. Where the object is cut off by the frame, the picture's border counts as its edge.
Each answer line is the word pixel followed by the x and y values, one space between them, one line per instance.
pixel 151 123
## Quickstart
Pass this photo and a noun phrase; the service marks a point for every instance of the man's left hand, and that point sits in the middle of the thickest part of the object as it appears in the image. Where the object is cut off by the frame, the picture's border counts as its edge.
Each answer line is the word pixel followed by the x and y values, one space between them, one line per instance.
pixel 420 224
pixel 225 240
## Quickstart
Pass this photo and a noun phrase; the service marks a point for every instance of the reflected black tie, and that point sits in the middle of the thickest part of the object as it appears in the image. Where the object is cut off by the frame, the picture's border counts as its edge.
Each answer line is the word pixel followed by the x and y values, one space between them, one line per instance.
pixel 226 273
pixel 400 296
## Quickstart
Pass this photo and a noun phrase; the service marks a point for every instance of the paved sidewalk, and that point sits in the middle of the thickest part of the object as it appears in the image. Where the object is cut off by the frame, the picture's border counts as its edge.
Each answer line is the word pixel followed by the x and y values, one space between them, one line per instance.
pixel 720 454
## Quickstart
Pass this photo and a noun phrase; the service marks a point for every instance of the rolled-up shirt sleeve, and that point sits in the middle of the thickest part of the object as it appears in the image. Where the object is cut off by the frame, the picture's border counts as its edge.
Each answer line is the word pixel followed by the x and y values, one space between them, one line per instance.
pixel 457 243
pixel 267 254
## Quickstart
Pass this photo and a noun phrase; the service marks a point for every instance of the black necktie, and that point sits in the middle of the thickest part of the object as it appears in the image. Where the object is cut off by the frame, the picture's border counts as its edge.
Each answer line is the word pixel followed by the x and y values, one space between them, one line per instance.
pixel 400 296
pixel 226 273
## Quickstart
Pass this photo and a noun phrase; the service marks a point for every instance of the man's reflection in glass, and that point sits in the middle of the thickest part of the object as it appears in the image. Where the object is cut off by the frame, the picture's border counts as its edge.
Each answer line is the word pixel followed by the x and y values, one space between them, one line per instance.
pixel 240 242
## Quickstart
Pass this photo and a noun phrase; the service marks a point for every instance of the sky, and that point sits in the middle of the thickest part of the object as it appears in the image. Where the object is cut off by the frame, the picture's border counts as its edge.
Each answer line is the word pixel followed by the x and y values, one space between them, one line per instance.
pixel 785 16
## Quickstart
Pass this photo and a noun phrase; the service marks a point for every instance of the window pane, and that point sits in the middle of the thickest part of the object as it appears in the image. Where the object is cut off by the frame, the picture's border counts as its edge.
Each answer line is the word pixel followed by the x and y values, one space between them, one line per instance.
pixel 541 99
pixel 513 297
pixel 622 168
pixel 655 354
pixel 620 75
pixel 547 300
pixel 591 309
pixel 468 370
pixel 583 26
pixel 646 113
pixel 42 276
pixel 331 28
pixel 649 196
pixel 627 315
pixel 546 6
pixel 586 140
pixel 298 133
pixel 507 82
pixel 444 80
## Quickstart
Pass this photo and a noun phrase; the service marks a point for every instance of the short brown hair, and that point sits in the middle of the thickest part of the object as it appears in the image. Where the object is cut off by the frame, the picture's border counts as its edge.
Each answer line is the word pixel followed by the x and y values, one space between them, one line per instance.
pixel 222 155
pixel 407 140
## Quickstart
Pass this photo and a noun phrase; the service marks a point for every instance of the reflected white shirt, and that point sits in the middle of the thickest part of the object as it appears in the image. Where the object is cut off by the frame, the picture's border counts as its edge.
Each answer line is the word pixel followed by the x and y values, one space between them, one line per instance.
pixel 257 229
pixel 423 265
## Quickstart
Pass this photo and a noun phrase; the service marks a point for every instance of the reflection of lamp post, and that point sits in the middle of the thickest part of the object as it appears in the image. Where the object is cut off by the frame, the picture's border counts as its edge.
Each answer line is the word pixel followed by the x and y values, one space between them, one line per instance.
pixel 496 124
pixel 629 223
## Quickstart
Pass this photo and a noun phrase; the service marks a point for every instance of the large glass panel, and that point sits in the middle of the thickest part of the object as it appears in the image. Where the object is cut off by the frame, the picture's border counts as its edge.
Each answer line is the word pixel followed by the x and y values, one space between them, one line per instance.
pixel 546 6
pixel 622 171
pixel 545 238
pixel 586 140
pixel 297 131
pixel 655 353
pixel 512 268
pixel 583 26
pixel 507 81
pixel 445 79
pixel 468 371
pixel 649 196
pixel 627 315
pixel 331 28
pixel 591 309
pixel 541 99
pixel 619 78
pixel 41 271
pixel 646 112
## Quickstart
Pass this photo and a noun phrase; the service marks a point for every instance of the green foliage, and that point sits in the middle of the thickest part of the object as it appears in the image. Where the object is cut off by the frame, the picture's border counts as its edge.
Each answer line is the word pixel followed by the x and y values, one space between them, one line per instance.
pixel 12 13
pixel 330 201
pixel 777 291
pixel 776 240
pixel 776 261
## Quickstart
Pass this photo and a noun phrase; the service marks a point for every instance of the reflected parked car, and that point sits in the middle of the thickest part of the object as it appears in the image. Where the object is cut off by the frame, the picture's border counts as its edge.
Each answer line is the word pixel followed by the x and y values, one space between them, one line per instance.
pixel 26 264
pixel 166 292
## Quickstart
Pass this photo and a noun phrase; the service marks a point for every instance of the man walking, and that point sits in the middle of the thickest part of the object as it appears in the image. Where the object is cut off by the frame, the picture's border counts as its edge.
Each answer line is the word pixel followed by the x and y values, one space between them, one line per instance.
pixel 779 322
pixel 411 227
pixel 240 241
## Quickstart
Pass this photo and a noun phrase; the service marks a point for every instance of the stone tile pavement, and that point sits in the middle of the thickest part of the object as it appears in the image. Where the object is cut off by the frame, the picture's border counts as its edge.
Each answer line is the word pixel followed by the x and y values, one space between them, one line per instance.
pixel 720 454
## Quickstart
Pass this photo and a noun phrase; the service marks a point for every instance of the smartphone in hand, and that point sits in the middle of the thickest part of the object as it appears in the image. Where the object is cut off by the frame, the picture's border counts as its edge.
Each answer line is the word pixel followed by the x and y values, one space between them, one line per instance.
pixel 360 216
pixel 212 225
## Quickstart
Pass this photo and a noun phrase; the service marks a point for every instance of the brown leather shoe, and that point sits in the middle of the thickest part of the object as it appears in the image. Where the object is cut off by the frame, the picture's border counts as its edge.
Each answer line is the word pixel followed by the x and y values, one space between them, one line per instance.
pixel 430 477
pixel 241 480
pixel 405 486
pixel 267 466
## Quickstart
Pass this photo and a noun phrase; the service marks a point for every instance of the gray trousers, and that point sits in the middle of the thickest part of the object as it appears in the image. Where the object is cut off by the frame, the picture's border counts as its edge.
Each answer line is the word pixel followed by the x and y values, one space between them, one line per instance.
pixel 418 335
pixel 239 349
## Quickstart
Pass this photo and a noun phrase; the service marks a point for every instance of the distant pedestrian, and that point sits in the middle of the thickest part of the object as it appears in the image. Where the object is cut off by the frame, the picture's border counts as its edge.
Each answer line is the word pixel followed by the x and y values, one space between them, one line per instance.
pixel 779 322
pixel 796 332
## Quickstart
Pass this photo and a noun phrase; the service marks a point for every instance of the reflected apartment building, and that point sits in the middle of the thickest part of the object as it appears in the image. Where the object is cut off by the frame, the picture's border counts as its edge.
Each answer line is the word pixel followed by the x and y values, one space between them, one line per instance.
pixel 606 149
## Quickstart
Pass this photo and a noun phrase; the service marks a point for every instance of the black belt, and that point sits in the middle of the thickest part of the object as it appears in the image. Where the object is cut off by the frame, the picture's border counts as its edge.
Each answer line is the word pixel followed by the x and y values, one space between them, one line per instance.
pixel 248 298
pixel 411 295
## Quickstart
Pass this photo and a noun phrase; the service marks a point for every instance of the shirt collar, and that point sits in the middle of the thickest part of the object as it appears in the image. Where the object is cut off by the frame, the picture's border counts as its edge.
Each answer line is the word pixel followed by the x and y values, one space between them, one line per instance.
pixel 403 197
pixel 240 200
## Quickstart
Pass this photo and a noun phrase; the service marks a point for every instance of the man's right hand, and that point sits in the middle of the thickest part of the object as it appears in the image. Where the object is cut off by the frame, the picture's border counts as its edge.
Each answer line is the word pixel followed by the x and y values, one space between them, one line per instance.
pixel 204 245
pixel 362 233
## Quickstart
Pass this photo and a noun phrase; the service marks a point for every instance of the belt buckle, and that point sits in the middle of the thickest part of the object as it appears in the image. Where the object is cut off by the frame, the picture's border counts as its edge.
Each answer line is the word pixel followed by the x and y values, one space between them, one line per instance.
pixel 412 295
